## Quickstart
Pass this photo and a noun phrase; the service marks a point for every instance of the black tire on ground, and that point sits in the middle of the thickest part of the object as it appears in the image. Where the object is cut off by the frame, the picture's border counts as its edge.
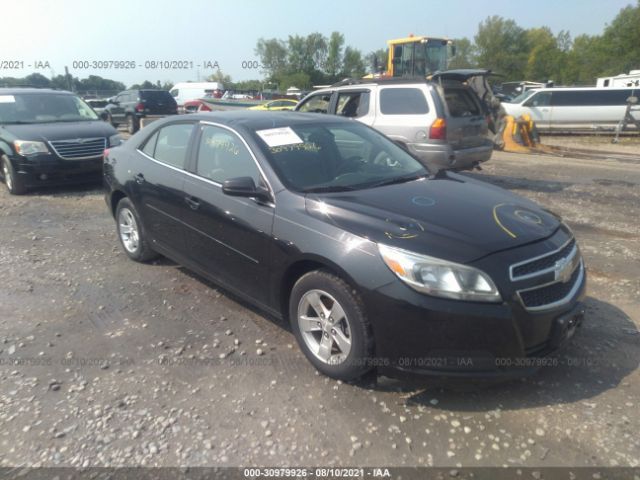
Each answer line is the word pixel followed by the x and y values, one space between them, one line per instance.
pixel 132 124
pixel 128 223
pixel 13 182
pixel 358 360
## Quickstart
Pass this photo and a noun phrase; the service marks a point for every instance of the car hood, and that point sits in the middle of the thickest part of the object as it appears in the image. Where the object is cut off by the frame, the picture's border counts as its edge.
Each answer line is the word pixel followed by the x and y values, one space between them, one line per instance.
pixel 450 216
pixel 60 130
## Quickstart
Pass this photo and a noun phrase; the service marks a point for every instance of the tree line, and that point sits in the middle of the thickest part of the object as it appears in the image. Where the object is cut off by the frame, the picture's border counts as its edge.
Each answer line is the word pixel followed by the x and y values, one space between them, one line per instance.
pixel 500 45
pixel 536 54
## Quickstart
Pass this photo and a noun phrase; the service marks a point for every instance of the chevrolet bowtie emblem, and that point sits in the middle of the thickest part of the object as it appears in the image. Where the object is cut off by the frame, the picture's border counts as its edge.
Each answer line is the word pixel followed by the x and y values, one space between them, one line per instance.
pixel 563 270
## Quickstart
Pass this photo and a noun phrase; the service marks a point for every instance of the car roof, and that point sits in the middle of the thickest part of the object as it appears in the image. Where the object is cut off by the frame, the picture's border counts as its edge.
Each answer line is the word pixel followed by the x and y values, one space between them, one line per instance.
pixel 262 120
pixel 30 90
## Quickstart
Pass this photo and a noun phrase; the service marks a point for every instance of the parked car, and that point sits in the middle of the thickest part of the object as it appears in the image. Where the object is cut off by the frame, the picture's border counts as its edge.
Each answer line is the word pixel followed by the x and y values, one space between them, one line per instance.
pixel 443 123
pixel 98 104
pixel 132 105
pixel 193 106
pixel 327 223
pixel 276 105
pixel 573 109
pixel 188 91
pixel 50 137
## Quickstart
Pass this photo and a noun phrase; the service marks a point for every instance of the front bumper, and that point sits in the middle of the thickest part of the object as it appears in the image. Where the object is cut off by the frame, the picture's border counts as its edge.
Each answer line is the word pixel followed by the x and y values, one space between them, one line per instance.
pixel 443 156
pixel 420 335
pixel 50 170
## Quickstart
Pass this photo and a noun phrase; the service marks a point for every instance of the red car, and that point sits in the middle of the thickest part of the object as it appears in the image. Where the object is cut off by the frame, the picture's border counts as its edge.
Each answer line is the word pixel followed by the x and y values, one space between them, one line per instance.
pixel 194 106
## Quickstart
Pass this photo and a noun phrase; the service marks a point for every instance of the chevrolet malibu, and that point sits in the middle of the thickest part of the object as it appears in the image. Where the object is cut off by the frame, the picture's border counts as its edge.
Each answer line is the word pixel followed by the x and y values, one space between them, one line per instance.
pixel 375 262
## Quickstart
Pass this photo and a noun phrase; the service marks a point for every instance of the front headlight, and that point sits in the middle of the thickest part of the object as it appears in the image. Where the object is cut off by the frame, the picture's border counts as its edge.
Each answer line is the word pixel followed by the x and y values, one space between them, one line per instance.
pixel 438 277
pixel 115 140
pixel 27 147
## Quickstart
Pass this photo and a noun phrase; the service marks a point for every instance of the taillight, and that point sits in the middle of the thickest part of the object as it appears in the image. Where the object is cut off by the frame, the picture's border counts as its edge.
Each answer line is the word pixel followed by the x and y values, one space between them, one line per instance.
pixel 438 129
pixel 140 107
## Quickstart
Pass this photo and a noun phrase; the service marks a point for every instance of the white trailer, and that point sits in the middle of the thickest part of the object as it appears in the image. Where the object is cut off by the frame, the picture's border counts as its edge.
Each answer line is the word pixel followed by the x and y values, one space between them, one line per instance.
pixel 631 79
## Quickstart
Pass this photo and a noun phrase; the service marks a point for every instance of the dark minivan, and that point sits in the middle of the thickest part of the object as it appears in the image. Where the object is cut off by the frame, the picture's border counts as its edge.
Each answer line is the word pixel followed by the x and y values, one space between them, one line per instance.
pixel 130 106
pixel 50 137
pixel 375 261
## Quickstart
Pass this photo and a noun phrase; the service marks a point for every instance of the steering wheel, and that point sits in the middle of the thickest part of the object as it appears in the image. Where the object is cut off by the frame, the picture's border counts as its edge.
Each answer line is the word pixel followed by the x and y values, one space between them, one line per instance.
pixel 384 159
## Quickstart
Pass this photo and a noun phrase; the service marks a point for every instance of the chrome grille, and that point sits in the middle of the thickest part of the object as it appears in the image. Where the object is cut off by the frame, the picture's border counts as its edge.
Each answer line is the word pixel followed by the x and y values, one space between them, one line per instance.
pixel 542 264
pixel 562 272
pixel 79 148
pixel 552 294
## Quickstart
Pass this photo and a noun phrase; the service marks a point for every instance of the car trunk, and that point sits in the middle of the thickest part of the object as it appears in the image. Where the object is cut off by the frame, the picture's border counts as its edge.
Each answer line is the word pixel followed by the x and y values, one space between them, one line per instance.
pixel 466 122
pixel 467 125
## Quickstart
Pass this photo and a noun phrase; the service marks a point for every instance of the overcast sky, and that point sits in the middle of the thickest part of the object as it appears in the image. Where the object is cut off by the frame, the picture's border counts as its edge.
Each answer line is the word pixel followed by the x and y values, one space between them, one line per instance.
pixel 226 31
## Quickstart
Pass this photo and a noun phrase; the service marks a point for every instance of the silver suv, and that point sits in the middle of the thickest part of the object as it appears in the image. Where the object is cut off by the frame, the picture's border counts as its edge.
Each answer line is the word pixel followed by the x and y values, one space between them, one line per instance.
pixel 443 123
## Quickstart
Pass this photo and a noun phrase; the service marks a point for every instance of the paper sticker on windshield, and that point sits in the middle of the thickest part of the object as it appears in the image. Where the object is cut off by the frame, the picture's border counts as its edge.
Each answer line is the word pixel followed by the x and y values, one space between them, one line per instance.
pixel 7 99
pixel 275 137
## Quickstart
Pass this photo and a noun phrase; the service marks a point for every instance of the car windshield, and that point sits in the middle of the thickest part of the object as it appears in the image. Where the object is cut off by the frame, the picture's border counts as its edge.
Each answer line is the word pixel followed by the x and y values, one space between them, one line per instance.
pixel 44 108
pixel 327 157
pixel 522 97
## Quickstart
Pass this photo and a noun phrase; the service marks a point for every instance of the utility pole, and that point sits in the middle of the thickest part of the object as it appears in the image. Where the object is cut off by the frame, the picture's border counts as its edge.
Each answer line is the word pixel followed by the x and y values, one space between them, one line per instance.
pixel 68 77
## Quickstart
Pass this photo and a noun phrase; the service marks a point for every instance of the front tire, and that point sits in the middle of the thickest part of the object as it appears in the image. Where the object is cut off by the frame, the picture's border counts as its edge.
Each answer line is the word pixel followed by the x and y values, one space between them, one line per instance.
pixel 328 319
pixel 131 233
pixel 13 182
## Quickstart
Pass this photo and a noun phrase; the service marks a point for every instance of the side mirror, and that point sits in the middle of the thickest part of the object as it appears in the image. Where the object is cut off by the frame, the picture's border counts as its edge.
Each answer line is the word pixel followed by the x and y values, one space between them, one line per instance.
pixel 104 115
pixel 113 101
pixel 245 187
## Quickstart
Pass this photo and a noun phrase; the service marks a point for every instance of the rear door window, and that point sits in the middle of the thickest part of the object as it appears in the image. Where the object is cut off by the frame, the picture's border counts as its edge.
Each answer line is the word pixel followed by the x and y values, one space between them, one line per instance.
pixel 403 101
pixel 352 104
pixel 592 98
pixel 461 103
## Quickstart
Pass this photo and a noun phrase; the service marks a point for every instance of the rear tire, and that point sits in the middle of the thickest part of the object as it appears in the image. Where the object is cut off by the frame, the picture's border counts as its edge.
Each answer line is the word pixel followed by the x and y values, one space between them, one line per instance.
pixel 328 319
pixel 131 233
pixel 14 183
pixel 132 124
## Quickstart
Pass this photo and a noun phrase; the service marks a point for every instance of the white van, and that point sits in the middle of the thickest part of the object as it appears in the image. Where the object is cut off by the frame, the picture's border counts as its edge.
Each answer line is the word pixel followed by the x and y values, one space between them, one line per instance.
pixel 577 108
pixel 187 91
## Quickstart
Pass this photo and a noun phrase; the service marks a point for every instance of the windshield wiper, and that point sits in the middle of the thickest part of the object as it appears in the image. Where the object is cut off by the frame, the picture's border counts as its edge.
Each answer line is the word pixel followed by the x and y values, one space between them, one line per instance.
pixel 395 180
pixel 329 188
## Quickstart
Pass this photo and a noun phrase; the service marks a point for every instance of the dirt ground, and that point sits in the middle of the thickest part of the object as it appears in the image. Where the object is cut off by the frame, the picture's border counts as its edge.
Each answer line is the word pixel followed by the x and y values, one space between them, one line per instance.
pixel 106 362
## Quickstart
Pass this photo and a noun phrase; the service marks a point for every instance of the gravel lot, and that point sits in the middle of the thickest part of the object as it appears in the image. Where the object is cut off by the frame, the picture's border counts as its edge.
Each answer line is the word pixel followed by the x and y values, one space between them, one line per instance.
pixel 105 362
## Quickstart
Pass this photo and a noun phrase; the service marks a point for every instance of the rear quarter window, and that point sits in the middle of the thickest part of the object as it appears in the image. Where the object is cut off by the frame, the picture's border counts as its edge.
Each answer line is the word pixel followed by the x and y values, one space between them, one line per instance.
pixel 403 101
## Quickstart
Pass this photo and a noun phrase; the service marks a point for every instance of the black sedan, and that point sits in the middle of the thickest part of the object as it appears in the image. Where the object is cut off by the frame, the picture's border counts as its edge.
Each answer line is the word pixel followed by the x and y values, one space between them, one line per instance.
pixel 376 262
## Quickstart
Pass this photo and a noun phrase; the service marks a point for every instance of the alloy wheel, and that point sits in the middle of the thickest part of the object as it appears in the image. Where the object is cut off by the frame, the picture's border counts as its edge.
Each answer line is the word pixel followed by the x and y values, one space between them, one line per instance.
pixel 7 175
pixel 324 327
pixel 128 228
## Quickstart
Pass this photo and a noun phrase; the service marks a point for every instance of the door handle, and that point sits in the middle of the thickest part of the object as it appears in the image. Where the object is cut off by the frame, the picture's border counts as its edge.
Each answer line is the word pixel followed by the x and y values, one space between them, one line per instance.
pixel 139 178
pixel 193 202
